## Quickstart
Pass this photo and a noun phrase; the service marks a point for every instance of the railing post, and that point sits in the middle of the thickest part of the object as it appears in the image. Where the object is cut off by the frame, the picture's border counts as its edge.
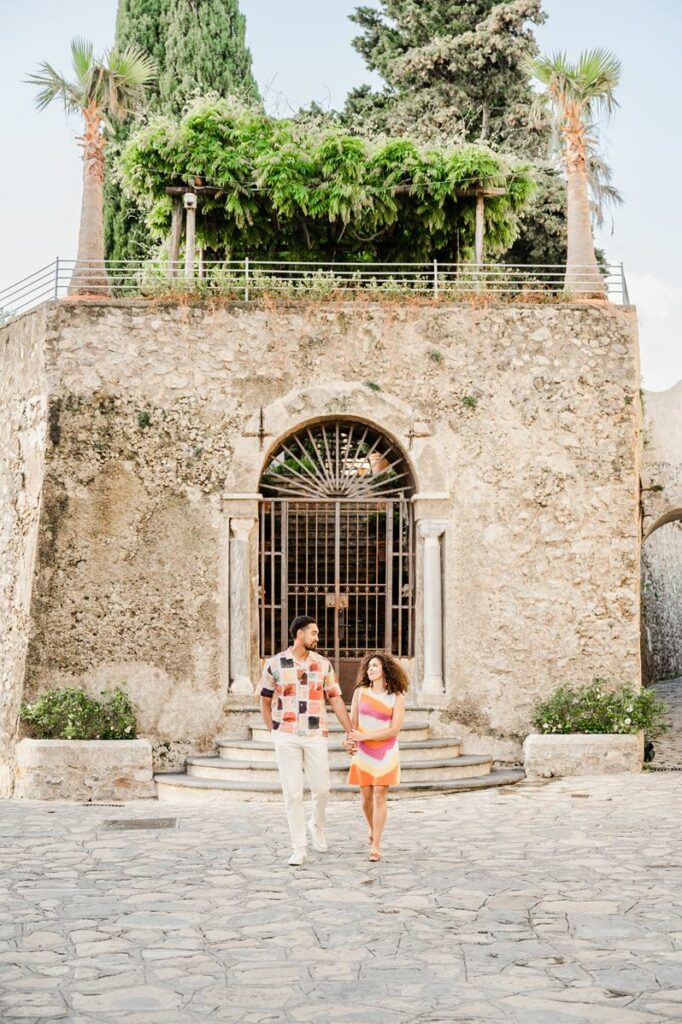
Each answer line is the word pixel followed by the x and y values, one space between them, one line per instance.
pixel 624 287
pixel 189 201
pixel 246 279
pixel 56 277
pixel 435 279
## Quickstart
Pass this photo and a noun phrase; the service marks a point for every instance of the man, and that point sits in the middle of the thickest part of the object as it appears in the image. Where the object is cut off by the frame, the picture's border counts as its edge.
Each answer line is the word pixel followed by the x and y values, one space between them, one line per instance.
pixel 292 692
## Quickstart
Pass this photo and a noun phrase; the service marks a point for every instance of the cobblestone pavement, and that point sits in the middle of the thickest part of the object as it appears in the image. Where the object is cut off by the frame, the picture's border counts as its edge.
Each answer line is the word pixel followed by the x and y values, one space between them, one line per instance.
pixel 542 903
pixel 668 747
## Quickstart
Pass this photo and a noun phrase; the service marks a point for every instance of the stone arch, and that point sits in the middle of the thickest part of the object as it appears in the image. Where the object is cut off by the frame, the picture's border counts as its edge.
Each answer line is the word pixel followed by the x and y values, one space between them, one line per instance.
pixel 397 420
pixel 361 423
pixel 671 516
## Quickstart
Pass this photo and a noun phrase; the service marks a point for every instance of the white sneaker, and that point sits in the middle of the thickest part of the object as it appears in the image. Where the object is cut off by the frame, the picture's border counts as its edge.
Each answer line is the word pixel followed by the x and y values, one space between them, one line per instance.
pixel 318 837
pixel 298 857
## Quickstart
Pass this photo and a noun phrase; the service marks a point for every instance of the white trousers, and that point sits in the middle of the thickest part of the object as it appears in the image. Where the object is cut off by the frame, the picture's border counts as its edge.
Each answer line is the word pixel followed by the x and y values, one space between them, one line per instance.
pixel 294 755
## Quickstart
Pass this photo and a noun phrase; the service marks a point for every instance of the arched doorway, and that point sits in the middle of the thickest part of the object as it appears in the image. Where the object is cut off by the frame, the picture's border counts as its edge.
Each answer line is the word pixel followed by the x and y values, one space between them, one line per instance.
pixel 336 542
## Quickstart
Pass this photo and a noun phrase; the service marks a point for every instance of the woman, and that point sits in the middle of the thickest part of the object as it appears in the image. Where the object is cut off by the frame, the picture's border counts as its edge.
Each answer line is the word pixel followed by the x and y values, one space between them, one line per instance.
pixel 378 709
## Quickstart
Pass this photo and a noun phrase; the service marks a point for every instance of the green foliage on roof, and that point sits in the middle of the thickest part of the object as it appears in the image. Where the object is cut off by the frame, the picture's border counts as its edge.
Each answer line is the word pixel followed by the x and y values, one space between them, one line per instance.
pixel 289 191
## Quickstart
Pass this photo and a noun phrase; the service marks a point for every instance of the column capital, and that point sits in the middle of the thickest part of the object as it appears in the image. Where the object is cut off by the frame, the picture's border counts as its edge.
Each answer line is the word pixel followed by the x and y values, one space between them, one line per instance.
pixel 431 529
pixel 431 505
pixel 241 527
pixel 241 505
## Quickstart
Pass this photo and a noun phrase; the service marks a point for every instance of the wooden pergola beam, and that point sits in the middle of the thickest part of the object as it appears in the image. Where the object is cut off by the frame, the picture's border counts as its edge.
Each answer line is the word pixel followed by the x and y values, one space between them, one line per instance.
pixel 479 193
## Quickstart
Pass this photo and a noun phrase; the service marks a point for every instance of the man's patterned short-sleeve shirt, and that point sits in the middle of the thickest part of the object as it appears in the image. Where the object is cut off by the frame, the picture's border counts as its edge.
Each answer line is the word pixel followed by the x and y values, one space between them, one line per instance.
pixel 298 690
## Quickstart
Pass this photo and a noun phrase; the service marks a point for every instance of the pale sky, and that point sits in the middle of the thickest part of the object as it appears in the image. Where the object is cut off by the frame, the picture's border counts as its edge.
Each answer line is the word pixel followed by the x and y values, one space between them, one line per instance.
pixel 301 51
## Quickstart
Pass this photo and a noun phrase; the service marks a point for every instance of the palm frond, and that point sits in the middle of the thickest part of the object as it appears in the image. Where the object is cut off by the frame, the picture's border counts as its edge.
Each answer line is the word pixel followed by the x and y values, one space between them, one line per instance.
pixel 81 60
pixel 114 84
pixel 599 72
pixel 52 85
pixel 132 65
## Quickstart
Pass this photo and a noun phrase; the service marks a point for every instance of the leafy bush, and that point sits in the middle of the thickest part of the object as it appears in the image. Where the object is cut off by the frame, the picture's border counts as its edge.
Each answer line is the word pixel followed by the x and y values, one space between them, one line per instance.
pixel 71 714
pixel 601 708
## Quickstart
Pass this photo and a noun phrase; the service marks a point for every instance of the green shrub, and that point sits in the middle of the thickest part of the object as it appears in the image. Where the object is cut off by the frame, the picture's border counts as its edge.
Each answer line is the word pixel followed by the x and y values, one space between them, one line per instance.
pixel 71 714
pixel 600 707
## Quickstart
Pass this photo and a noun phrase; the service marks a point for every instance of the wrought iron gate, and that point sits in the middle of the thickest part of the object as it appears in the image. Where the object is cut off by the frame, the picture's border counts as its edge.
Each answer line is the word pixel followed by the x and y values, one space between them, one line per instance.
pixel 340 548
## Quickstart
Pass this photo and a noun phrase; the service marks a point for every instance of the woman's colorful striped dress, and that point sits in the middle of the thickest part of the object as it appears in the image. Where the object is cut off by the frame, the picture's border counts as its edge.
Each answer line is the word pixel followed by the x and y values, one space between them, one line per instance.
pixel 376 762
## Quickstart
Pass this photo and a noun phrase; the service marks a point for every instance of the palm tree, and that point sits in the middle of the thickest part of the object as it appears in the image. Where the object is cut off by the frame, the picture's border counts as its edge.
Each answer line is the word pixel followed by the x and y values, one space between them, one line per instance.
pixel 104 90
pixel 576 94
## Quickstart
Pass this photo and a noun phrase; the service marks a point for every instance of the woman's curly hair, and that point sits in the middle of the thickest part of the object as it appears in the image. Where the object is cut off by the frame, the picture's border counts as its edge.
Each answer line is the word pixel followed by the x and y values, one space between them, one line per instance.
pixel 394 674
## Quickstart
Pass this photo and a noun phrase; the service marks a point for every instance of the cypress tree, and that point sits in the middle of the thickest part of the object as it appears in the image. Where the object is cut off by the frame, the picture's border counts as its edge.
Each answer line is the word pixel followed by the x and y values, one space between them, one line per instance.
pixel 145 22
pixel 206 51
pixel 198 46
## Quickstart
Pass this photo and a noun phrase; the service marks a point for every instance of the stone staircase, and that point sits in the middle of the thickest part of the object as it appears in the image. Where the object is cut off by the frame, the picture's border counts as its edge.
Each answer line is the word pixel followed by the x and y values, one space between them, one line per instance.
pixel 245 768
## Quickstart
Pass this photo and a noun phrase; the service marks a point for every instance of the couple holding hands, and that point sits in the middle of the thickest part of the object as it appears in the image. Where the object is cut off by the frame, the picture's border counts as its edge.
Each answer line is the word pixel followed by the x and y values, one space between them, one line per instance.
pixel 293 690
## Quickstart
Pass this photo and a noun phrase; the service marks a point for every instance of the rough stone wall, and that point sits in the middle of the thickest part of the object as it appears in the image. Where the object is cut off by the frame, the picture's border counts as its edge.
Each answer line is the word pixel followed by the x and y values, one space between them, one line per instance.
pixel 662 602
pixel 23 418
pixel 527 421
pixel 662 523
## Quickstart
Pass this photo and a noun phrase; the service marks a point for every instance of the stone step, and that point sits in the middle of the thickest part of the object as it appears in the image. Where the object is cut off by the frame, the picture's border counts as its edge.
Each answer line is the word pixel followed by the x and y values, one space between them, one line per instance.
pixel 417 730
pixel 413 750
pixel 439 769
pixel 242 718
pixel 176 787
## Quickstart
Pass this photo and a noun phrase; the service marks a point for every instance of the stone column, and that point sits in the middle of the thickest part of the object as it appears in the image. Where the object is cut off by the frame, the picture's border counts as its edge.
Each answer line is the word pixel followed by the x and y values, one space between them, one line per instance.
pixel 242 515
pixel 240 601
pixel 431 531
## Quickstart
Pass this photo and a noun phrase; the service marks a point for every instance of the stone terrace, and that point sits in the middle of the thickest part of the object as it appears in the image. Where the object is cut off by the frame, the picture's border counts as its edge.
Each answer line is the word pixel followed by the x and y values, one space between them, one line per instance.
pixel 555 903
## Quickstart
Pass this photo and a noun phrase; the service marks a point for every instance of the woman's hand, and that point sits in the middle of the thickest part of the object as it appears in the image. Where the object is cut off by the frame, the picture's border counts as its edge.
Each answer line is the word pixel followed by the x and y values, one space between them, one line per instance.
pixel 356 736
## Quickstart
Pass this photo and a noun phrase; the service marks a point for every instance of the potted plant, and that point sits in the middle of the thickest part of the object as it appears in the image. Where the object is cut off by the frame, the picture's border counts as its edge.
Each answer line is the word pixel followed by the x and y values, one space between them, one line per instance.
pixel 82 748
pixel 592 730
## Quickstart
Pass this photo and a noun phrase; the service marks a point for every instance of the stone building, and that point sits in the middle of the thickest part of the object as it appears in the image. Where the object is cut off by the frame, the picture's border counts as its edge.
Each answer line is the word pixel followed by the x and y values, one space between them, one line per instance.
pixel 456 484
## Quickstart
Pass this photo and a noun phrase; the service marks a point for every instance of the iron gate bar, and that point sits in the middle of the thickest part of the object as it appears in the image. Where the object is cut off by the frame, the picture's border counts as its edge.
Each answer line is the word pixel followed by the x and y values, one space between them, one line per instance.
pixel 284 577
pixel 357 553
pixel 388 561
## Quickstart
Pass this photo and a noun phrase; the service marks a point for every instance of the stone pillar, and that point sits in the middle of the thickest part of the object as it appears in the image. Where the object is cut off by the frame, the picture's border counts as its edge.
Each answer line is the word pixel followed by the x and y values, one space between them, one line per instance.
pixel 431 531
pixel 242 511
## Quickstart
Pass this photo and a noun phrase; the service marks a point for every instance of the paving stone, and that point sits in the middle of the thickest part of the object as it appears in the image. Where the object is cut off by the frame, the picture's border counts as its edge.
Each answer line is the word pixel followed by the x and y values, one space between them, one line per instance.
pixel 138 997
pixel 535 908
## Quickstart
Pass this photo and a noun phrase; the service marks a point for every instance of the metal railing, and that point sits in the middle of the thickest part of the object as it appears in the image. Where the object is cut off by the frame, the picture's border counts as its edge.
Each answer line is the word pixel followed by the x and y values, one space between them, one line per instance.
pixel 248 279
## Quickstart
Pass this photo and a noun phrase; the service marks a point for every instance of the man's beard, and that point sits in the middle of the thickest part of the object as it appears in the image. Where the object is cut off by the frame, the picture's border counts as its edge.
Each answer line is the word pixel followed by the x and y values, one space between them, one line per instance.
pixel 311 646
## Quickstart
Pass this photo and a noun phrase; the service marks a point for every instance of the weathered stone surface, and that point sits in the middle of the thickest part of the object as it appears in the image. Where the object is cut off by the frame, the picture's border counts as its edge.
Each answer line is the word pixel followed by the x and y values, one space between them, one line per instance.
pixel 155 413
pixel 581 754
pixel 668 746
pixel 84 770
pixel 23 430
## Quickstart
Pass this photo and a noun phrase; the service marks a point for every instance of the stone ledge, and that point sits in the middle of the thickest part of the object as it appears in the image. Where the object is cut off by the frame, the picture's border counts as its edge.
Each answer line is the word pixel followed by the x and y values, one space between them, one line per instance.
pixel 84 770
pixel 550 756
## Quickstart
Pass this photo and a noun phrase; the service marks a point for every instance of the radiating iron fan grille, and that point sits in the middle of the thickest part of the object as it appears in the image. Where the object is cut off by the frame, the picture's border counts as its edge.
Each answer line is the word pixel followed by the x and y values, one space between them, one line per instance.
pixel 338 459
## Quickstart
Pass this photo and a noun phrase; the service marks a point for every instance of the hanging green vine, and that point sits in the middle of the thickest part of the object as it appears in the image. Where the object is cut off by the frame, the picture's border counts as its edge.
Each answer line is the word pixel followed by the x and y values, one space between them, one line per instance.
pixel 284 192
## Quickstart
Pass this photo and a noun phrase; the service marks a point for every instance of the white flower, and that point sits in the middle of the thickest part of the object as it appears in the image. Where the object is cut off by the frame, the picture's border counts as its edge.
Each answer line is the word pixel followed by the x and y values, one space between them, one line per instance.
pixel 628 721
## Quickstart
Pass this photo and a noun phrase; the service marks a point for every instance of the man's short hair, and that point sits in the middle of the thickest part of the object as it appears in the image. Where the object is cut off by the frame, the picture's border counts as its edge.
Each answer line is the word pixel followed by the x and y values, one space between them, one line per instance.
pixel 300 622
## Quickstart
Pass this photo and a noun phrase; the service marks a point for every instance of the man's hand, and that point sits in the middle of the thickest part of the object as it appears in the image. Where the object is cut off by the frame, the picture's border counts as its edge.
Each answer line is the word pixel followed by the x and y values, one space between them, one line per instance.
pixel 349 744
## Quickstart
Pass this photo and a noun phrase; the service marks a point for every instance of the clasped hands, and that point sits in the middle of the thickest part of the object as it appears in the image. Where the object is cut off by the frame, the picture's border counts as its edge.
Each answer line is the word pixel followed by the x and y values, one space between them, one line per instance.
pixel 351 740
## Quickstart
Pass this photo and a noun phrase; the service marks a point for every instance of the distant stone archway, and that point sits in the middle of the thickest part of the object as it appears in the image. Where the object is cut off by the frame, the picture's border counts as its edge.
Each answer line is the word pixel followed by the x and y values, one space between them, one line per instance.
pixel 661 600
